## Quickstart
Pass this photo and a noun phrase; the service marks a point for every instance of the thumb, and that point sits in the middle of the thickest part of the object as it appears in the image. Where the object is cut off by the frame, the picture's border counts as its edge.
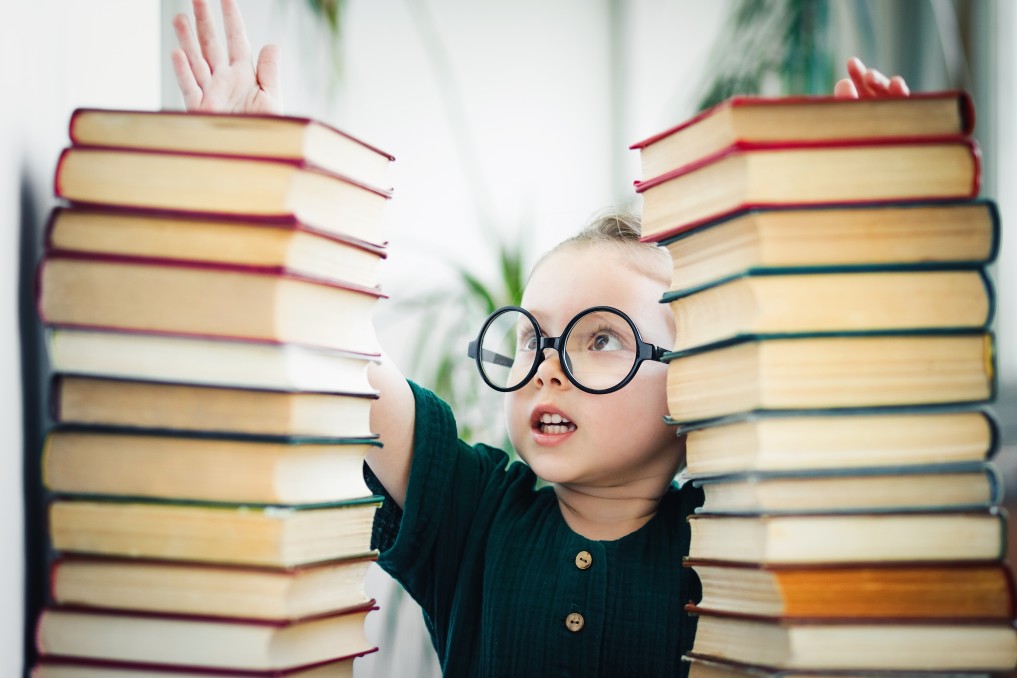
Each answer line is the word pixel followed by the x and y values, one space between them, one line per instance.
pixel 267 72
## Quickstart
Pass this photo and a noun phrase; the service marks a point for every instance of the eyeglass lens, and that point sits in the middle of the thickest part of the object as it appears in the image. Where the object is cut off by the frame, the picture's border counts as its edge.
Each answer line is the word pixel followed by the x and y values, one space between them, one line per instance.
pixel 600 349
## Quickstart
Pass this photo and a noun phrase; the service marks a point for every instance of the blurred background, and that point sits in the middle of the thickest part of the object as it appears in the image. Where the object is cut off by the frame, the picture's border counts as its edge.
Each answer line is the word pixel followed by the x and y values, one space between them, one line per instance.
pixel 510 123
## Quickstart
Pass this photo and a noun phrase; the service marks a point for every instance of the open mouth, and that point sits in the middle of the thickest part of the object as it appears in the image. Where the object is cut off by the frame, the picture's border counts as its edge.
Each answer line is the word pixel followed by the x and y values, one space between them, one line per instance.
pixel 553 424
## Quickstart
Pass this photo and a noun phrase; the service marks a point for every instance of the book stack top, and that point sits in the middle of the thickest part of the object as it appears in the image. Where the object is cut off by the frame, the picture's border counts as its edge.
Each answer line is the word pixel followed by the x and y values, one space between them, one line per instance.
pixel 831 373
pixel 208 287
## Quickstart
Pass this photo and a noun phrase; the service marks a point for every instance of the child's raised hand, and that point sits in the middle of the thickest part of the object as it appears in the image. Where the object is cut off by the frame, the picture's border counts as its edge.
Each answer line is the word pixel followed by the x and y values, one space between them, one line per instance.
pixel 225 81
pixel 868 83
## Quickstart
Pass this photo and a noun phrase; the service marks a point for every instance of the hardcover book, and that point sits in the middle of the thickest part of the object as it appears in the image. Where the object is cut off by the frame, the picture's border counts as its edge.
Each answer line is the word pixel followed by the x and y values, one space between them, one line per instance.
pixel 849 538
pixel 204 469
pixel 847 371
pixel 132 404
pixel 270 247
pixel 795 119
pixel 211 361
pixel 100 292
pixel 805 440
pixel 221 186
pixel 201 642
pixel 806 173
pixel 240 534
pixel 200 589
pixel 295 139
pixel 835 237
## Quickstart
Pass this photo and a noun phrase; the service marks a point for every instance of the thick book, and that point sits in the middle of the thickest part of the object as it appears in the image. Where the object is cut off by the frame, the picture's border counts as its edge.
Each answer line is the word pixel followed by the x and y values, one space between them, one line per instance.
pixel 209 469
pixel 200 360
pixel 873 302
pixel 221 186
pixel 106 292
pixel 241 534
pixel 701 667
pixel 813 440
pixel 133 404
pixel 296 139
pixel 209 590
pixel 270 247
pixel 905 488
pixel 848 371
pixel 857 645
pixel 56 667
pixel 200 642
pixel 788 119
pixel 849 538
pixel 959 590
pixel 805 173
pixel 900 235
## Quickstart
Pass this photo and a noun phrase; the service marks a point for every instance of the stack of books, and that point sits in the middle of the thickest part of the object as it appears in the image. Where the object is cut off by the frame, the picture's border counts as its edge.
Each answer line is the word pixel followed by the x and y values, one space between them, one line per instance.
pixel 831 370
pixel 207 288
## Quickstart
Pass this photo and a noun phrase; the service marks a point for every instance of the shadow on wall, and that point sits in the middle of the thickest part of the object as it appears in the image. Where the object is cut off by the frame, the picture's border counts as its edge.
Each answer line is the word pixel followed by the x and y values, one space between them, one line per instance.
pixel 34 412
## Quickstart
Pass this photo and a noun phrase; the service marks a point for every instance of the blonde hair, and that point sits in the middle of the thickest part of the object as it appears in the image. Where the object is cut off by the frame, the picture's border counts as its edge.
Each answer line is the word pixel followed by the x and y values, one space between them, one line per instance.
pixel 621 229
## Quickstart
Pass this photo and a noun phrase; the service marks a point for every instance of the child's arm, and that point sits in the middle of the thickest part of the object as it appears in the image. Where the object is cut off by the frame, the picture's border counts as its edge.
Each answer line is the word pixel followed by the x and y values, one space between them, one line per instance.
pixel 214 79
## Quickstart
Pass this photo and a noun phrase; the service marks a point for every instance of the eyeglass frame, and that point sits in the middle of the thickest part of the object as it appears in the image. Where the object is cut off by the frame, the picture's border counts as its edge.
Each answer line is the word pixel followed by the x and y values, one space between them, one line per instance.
pixel 644 350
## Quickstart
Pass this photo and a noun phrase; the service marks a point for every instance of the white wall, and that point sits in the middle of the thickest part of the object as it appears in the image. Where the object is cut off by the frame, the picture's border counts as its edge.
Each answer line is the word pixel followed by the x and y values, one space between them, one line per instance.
pixel 56 55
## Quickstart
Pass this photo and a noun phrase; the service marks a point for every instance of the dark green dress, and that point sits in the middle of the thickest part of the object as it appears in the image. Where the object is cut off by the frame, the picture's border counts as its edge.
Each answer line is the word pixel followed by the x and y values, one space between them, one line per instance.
pixel 508 589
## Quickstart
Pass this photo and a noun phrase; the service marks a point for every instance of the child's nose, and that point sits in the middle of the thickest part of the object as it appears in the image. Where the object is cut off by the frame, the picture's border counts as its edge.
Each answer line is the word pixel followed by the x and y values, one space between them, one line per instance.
pixel 550 372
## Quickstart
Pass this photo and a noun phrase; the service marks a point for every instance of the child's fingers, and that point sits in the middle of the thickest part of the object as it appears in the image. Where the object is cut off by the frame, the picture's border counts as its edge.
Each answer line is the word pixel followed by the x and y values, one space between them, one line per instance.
pixel 878 83
pixel 185 79
pixel 845 89
pixel 267 71
pixel 189 46
pixel 236 35
pixel 898 87
pixel 210 47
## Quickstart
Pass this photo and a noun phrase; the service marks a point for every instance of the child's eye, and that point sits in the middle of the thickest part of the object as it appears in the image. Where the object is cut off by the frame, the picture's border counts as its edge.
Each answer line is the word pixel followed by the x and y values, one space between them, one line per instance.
pixel 605 341
pixel 527 341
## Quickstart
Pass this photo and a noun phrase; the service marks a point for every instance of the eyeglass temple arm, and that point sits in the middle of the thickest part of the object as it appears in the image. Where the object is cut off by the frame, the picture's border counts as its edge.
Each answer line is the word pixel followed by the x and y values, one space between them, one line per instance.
pixel 489 356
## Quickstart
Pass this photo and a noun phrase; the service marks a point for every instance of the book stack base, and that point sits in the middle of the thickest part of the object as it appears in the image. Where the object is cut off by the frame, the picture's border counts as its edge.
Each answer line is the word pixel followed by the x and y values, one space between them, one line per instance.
pixel 207 292
pixel 831 373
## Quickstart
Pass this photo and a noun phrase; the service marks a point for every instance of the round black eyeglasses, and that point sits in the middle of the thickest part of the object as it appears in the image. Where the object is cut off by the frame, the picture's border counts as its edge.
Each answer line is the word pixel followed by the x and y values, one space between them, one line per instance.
pixel 600 349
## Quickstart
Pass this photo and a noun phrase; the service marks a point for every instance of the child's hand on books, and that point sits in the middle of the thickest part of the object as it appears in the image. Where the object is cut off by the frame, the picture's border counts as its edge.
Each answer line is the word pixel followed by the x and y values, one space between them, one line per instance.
pixel 224 80
pixel 868 83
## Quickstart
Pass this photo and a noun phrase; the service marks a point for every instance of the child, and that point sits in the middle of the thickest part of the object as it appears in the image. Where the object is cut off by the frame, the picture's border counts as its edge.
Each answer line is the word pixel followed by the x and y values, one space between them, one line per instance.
pixel 583 576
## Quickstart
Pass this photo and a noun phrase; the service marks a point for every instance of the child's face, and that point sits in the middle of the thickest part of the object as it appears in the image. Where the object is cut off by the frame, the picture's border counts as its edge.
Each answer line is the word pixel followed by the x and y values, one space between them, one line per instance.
pixel 613 438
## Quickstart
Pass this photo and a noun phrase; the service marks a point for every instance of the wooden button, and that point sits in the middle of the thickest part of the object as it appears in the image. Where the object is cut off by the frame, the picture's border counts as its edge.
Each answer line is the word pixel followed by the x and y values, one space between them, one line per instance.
pixel 584 560
pixel 575 622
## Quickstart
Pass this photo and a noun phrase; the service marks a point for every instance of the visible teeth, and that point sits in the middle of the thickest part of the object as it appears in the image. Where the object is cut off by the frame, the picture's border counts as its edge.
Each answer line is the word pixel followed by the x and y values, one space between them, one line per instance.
pixel 548 418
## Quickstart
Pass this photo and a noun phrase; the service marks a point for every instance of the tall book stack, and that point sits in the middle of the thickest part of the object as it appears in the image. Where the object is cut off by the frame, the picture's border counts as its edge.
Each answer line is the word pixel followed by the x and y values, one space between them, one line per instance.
pixel 207 288
pixel 831 372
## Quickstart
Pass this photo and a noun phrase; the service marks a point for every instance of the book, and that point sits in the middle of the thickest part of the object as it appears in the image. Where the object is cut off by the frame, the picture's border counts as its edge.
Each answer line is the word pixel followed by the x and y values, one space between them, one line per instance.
pixel 296 139
pixel 198 360
pixel 221 186
pixel 822 439
pixel 201 642
pixel 790 373
pixel 209 590
pixel 270 247
pixel 56 667
pixel 946 591
pixel 793 119
pixel 876 302
pixel 915 235
pixel 700 667
pixel 857 645
pixel 210 301
pixel 849 538
pixel 204 469
pixel 90 401
pixel 274 536
pixel 799 174
pixel 907 488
